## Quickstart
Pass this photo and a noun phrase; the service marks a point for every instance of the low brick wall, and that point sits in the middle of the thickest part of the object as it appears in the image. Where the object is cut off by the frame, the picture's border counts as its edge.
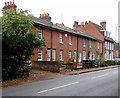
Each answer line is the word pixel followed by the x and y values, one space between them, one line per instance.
pixel 52 66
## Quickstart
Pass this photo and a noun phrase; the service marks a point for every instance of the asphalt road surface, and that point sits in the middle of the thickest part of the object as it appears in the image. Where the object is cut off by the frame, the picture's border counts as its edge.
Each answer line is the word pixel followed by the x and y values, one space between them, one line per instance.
pixel 98 83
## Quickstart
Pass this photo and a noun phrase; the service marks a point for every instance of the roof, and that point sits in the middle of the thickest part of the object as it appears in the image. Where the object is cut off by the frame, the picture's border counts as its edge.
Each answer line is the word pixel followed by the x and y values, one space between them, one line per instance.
pixel 61 28
pixel 109 39
pixel 101 30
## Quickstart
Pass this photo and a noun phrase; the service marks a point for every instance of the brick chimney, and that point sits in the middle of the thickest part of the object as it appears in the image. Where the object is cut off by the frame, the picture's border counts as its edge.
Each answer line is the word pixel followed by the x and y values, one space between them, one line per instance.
pixel 75 25
pixel 45 16
pixel 9 6
pixel 103 24
pixel 78 27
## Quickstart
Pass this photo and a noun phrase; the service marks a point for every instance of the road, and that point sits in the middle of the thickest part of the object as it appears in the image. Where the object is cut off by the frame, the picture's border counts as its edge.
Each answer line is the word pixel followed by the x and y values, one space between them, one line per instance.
pixel 98 83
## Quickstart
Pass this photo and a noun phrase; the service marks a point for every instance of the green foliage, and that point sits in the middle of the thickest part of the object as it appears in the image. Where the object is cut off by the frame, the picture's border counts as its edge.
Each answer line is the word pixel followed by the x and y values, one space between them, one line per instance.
pixel 101 62
pixel 18 41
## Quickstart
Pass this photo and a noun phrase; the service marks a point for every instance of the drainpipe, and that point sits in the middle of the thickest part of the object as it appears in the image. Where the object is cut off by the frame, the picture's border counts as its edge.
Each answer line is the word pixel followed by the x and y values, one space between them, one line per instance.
pixel 51 48
pixel 77 50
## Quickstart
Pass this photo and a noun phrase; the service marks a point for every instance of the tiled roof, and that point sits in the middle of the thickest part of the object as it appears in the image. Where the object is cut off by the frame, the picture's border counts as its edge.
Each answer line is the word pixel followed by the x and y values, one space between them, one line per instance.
pixel 61 28
pixel 109 39
pixel 100 29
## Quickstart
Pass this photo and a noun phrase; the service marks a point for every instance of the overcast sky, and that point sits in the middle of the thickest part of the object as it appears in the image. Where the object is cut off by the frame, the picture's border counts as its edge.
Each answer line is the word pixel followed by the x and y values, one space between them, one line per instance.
pixel 67 11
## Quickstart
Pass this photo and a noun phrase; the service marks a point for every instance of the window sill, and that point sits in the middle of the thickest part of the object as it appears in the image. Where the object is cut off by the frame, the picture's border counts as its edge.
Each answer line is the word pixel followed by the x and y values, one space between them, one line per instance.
pixel 61 43
pixel 70 44
pixel 61 59
pixel 39 59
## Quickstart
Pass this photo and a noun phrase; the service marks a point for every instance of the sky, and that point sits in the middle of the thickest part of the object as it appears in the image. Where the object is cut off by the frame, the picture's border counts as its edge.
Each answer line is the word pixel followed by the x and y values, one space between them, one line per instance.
pixel 68 11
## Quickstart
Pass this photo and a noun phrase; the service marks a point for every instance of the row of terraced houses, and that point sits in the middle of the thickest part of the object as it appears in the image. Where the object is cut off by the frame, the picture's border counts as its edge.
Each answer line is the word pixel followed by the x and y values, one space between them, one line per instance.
pixel 86 40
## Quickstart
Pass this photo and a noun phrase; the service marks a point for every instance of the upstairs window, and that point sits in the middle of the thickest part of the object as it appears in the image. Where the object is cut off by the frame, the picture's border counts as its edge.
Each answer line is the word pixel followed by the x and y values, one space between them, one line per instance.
pixel 40 33
pixel 90 44
pixel 98 45
pixel 105 45
pixel 84 43
pixel 70 39
pixel 60 38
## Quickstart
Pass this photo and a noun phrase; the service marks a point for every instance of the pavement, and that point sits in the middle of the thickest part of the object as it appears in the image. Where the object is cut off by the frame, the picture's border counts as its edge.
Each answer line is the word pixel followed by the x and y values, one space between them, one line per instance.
pixel 80 71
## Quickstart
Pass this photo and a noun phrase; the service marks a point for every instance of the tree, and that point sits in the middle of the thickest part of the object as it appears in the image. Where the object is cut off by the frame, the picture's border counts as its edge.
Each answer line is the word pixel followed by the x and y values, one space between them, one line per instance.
pixel 18 42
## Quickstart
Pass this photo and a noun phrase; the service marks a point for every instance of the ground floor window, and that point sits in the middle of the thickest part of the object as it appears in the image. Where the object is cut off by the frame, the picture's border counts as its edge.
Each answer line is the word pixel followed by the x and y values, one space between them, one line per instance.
pixel 90 55
pixel 70 54
pixel 61 55
pixel 48 55
pixel 53 55
pixel 79 57
pixel 75 56
pixel 84 55
pixel 39 55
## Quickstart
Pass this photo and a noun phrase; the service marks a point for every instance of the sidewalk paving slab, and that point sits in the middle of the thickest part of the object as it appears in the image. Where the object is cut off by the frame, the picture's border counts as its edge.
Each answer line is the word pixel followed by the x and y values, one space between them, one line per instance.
pixel 80 71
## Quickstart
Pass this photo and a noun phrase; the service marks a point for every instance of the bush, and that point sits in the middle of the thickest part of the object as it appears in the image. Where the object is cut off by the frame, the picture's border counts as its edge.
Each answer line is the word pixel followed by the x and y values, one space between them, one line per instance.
pixel 101 62
pixel 88 63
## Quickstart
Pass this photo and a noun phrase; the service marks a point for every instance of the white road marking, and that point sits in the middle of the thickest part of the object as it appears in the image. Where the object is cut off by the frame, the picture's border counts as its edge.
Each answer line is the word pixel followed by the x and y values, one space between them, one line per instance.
pixel 99 76
pixel 57 87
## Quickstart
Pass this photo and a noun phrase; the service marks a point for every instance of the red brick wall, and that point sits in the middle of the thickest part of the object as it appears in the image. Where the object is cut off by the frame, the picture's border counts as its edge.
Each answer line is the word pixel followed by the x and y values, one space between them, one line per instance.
pixel 46 33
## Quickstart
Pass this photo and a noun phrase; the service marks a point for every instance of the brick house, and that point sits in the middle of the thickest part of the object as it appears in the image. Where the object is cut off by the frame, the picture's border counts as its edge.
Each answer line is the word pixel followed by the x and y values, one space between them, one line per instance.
pixel 100 32
pixel 62 42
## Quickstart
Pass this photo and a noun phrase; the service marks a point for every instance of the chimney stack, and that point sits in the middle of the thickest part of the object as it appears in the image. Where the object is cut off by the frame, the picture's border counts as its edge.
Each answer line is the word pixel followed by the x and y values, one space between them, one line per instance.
pixel 75 23
pixel 9 6
pixel 45 16
pixel 103 24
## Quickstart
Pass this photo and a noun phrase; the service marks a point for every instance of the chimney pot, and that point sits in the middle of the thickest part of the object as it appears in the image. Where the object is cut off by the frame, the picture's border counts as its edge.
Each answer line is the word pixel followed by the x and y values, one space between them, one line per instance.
pixel 75 23
pixel 103 24
pixel 7 3
pixel 10 2
pixel 13 1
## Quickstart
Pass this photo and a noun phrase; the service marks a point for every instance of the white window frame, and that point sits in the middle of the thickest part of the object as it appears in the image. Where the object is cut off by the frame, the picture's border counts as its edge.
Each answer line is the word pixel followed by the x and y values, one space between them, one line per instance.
pixel 53 55
pixel 105 45
pixel 60 38
pixel 61 55
pixel 84 42
pixel 48 55
pixel 90 56
pixel 84 55
pixel 108 45
pixel 70 54
pixel 40 33
pixel 75 56
pixel 90 43
pixel 70 39
pixel 79 57
pixel 40 55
